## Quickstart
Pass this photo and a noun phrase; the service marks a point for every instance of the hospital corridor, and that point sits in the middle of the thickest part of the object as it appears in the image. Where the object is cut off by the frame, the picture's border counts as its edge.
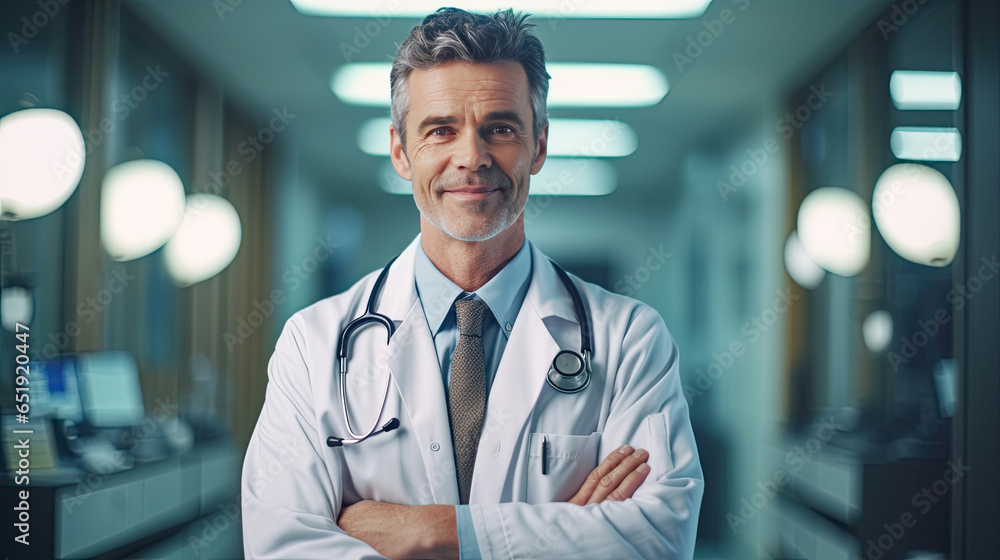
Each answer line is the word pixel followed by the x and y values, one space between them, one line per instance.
pixel 686 279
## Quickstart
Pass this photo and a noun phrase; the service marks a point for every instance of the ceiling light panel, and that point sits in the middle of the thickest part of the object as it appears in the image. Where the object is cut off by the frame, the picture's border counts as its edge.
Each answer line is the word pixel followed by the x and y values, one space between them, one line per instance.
pixel 912 90
pixel 573 84
pixel 623 9
pixel 921 143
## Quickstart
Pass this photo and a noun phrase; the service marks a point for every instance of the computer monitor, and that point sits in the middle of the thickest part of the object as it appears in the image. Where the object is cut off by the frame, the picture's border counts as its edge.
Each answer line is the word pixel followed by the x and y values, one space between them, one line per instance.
pixel 109 389
pixel 55 393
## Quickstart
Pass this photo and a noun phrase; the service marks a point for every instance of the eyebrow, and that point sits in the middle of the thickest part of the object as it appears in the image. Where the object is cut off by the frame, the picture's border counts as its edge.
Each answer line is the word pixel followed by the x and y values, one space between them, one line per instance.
pixel 506 116
pixel 493 116
pixel 434 121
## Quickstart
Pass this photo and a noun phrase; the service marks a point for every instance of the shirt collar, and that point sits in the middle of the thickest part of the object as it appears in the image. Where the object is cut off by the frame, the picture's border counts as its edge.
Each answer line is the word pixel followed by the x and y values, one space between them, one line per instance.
pixel 500 293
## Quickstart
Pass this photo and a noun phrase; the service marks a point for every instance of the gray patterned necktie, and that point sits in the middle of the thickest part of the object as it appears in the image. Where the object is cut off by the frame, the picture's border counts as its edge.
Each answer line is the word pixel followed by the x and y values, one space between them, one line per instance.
pixel 467 390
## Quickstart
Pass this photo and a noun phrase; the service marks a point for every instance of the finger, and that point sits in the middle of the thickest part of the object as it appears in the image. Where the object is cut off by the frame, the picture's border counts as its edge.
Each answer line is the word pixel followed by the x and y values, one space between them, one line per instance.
pixel 594 478
pixel 609 482
pixel 631 483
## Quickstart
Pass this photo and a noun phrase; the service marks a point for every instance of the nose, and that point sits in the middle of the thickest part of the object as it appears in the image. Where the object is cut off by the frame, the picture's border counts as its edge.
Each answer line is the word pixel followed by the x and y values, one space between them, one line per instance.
pixel 471 152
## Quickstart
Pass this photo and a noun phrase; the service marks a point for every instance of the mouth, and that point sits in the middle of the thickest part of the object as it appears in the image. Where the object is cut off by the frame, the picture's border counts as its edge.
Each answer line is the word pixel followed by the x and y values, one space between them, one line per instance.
pixel 472 192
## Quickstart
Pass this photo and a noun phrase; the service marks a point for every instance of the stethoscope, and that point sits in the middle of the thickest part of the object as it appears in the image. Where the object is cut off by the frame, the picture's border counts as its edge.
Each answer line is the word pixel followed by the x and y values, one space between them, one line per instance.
pixel 569 373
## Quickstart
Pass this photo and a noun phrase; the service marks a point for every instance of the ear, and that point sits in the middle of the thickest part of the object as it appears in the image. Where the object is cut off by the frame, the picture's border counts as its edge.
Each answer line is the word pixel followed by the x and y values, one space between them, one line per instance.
pixel 541 149
pixel 398 155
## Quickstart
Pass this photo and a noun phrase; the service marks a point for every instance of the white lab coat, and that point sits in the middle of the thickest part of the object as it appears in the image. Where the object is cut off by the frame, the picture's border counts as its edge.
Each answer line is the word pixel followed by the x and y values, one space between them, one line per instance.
pixel 294 486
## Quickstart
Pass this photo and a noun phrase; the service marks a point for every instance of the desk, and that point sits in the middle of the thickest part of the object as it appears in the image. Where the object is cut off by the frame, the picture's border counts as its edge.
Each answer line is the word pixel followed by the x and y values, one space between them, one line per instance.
pixel 117 515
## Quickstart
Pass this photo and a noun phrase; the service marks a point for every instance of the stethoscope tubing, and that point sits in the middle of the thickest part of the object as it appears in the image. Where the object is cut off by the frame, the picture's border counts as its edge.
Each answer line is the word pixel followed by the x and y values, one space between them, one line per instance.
pixel 372 317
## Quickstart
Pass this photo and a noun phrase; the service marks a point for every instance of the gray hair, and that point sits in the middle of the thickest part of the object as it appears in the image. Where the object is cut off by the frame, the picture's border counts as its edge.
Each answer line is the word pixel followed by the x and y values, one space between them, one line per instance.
pixel 454 34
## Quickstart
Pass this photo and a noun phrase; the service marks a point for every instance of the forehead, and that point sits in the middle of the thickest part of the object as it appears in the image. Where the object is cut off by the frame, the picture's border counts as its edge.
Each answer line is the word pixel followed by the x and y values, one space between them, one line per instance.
pixel 451 85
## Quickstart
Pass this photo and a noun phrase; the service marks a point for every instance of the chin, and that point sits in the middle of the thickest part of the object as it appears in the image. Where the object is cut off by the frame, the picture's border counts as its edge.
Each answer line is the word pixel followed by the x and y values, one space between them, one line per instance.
pixel 472 234
pixel 477 228
pixel 468 224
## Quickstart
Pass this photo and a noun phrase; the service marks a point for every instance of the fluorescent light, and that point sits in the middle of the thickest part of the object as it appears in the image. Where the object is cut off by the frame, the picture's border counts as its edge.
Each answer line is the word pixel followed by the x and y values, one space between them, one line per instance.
pixel 926 143
pixel 647 9
pixel 591 138
pixel 912 90
pixel 574 177
pixel 142 203
pixel 362 83
pixel 567 137
pixel 835 231
pixel 917 212
pixel 577 84
pixel 206 241
pixel 800 267
pixel 558 177
pixel 373 136
pixel 573 84
pixel 41 161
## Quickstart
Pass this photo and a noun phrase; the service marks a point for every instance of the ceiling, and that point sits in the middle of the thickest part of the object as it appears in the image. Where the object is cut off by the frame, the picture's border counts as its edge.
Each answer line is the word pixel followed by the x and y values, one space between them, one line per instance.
pixel 269 55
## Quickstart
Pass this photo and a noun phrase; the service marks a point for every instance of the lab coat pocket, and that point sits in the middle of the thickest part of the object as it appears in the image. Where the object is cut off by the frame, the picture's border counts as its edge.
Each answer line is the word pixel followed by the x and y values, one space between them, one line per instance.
pixel 566 462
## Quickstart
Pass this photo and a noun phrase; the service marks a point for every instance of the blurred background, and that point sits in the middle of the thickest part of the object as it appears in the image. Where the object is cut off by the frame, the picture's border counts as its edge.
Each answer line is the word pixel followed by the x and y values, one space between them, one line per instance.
pixel 806 191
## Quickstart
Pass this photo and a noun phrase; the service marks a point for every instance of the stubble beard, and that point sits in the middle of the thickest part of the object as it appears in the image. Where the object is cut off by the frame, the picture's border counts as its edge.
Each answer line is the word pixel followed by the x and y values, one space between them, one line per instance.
pixel 476 223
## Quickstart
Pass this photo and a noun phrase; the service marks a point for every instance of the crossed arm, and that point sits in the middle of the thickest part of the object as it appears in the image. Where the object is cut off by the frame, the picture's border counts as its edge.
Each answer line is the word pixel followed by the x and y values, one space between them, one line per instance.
pixel 399 531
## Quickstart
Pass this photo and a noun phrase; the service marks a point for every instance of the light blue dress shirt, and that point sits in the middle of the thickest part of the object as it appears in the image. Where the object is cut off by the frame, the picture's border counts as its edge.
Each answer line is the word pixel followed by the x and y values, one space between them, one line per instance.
pixel 503 294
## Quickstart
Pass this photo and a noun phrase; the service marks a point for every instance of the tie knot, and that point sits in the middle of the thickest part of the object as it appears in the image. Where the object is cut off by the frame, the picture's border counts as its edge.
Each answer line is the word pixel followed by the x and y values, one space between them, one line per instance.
pixel 469 313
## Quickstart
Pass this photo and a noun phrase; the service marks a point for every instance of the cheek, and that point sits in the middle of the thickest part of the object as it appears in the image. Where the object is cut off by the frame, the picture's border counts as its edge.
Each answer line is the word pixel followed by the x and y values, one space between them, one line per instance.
pixel 429 161
pixel 423 173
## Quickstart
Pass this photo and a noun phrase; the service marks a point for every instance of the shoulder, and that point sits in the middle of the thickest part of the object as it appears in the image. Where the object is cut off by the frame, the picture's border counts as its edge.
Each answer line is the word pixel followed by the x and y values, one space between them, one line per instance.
pixel 619 312
pixel 631 335
pixel 641 354
pixel 329 315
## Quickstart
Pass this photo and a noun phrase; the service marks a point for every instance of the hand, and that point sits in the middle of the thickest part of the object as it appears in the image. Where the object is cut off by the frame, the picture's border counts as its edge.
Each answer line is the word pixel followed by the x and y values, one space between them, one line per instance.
pixel 398 531
pixel 616 478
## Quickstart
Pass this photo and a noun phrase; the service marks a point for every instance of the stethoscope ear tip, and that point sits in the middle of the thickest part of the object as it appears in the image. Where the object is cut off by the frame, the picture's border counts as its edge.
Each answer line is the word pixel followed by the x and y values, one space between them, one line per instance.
pixel 334 442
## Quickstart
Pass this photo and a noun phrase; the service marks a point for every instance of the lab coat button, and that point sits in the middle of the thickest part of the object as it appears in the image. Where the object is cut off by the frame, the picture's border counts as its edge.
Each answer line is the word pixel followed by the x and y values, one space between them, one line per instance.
pixel 435 446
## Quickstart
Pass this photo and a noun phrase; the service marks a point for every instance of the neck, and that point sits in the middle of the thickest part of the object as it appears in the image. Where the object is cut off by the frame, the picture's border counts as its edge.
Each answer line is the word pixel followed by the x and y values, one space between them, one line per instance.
pixel 471 264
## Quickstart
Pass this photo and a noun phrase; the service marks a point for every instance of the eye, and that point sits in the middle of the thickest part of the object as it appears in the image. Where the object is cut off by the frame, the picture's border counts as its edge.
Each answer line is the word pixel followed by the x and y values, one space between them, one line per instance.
pixel 502 129
pixel 442 131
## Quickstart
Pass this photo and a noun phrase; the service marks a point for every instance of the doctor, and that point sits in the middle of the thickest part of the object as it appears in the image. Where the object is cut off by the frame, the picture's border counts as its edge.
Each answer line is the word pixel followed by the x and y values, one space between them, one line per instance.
pixel 489 458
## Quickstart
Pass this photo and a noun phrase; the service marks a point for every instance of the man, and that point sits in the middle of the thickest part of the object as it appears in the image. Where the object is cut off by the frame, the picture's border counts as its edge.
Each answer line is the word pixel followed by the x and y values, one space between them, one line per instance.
pixel 488 460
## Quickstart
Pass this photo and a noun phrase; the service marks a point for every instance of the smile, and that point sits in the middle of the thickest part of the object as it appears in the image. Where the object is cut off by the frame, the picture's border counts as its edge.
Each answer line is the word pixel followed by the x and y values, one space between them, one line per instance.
pixel 472 194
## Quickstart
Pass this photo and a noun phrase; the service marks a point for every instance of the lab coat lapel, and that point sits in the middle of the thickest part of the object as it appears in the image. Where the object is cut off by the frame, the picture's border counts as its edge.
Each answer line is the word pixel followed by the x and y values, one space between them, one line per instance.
pixel 519 379
pixel 416 373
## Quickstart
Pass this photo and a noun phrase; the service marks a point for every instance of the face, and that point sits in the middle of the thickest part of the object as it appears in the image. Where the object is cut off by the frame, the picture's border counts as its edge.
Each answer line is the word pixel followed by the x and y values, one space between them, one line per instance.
pixel 469 146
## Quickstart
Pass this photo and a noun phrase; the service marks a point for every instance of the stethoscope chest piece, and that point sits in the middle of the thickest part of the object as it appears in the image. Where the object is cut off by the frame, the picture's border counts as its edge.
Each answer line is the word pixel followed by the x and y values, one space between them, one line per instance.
pixel 570 372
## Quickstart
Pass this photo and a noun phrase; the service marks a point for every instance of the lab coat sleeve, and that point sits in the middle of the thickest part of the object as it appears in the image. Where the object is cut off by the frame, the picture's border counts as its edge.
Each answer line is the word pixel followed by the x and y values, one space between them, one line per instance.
pixel 292 482
pixel 648 410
